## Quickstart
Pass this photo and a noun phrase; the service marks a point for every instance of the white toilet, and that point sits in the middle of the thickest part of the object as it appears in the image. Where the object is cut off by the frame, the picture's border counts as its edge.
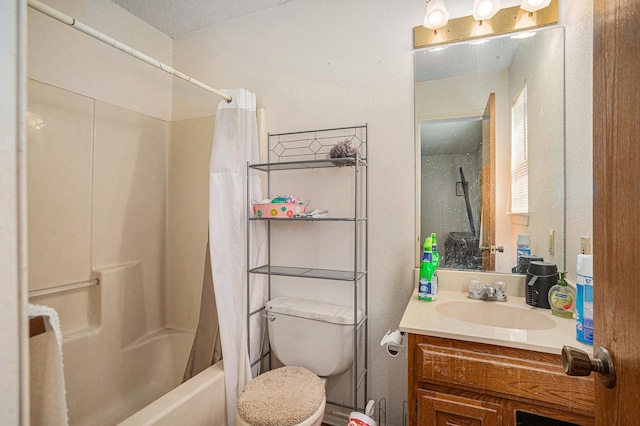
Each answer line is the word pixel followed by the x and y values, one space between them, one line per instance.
pixel 311 339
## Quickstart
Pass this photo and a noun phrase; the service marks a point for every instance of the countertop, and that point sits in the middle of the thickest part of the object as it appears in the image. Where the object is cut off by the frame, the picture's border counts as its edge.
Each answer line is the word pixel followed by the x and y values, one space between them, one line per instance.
pixel 437 319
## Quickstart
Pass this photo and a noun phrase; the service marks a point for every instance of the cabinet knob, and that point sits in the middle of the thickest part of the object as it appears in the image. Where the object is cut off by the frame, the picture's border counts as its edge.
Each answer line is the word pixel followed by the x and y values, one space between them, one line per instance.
pixel 576 362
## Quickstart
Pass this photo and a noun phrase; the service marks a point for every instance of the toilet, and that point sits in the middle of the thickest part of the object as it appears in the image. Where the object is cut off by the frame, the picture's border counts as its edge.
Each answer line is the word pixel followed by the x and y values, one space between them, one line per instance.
pixel 313 340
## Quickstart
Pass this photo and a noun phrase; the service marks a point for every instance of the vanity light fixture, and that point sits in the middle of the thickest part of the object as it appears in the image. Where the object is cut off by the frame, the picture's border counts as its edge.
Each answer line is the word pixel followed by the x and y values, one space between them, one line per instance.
pixel 436 16
pixel 486 9
pixel 534 5
pixel 501 20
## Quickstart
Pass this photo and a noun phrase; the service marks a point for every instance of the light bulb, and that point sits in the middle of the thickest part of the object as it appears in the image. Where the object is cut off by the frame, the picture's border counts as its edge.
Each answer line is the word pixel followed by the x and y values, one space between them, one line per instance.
pixel 435 18
pixel 534 5
pixel 485 8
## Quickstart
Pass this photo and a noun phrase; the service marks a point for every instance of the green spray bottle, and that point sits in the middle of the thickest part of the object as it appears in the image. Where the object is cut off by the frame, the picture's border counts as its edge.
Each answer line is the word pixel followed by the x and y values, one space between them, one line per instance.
pixel 428 285
pixel 434 250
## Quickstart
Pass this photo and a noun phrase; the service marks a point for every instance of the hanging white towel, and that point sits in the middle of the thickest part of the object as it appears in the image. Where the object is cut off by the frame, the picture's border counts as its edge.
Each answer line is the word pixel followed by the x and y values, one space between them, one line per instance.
pixel 48 403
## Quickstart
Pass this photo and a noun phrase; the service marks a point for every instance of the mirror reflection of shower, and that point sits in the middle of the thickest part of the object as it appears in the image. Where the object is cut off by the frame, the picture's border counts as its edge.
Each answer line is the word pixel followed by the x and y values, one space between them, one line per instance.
pixel 451 187
pixel 458 82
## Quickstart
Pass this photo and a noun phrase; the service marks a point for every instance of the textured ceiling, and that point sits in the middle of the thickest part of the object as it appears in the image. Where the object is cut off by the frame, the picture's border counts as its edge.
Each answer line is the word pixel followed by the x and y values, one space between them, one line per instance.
pixel 179 17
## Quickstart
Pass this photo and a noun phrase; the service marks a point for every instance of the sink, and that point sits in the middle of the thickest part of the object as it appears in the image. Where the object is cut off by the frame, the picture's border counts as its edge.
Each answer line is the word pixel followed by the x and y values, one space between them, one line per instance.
pixel 495 314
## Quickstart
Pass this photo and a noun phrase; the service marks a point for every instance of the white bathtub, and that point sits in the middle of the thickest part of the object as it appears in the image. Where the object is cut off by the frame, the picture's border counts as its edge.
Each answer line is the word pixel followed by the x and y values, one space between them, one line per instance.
pixel 199 401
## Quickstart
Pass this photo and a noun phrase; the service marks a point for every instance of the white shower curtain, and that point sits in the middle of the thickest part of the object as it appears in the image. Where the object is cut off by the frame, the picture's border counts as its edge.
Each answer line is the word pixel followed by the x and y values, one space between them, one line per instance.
pixel 235 142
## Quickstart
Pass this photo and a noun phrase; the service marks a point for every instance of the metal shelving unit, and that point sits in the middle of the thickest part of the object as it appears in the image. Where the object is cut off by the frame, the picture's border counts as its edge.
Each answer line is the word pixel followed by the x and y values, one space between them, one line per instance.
pixel 307 150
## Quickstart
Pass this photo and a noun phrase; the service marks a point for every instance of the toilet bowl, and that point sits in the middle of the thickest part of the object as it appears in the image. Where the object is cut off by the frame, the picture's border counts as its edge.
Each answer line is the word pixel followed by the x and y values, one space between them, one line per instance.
pixel 313 340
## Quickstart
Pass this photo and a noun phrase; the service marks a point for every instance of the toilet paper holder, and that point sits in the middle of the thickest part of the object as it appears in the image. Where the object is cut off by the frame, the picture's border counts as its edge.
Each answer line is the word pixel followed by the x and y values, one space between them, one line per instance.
pixel 393 342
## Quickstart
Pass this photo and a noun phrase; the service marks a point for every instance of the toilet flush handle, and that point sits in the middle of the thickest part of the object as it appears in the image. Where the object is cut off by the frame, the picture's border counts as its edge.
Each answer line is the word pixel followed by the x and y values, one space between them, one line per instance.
pixel 269 316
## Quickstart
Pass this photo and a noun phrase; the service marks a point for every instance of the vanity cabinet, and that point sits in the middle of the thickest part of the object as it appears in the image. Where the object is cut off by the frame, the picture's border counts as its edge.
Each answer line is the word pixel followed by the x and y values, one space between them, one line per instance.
pixel 454 382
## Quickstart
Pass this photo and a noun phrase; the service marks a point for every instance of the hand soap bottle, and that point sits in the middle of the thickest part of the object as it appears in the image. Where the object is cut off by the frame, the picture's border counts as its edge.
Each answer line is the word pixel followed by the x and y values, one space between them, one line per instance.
pixel 562 298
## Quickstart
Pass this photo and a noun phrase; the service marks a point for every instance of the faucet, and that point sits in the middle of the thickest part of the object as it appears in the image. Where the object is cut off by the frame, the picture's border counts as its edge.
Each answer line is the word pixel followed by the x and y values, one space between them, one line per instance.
pixel 496 293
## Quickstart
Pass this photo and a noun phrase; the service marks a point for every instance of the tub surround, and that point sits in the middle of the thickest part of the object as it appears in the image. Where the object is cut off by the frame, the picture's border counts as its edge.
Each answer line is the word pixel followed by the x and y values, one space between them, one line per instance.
pixel 97 208
pixel 426 318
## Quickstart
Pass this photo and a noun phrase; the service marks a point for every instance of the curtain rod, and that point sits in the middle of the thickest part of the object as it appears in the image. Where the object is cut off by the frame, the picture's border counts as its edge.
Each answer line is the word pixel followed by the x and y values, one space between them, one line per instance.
pixel 68 20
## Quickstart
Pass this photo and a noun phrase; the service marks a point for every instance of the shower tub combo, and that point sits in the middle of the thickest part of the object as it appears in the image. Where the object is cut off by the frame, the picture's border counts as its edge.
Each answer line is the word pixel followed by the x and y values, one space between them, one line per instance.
pixel 121 367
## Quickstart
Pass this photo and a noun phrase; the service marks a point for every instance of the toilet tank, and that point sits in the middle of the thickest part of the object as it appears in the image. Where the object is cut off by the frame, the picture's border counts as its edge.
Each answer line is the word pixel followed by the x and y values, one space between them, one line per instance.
pixel 315 335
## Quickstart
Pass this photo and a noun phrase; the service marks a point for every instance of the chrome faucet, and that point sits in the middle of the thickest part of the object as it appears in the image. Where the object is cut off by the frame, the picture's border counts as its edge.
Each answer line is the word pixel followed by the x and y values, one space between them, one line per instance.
pixel 497 292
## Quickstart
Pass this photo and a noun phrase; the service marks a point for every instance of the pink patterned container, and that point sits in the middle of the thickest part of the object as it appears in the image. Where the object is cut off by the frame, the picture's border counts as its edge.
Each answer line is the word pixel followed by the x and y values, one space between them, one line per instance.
pixel 283 210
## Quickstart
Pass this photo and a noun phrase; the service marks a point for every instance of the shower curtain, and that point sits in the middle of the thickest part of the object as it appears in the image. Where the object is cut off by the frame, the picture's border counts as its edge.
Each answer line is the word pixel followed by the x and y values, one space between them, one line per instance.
pixel 206 349
pixel 235 142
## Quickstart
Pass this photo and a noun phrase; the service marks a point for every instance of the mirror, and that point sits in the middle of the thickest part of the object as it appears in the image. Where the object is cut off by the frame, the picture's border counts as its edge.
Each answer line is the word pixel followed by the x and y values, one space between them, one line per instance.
pixel 468 96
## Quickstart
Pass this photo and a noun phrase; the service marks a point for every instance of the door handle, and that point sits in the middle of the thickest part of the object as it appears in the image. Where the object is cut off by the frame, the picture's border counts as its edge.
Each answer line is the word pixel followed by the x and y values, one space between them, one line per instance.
pixel 492 249
pixel 576 362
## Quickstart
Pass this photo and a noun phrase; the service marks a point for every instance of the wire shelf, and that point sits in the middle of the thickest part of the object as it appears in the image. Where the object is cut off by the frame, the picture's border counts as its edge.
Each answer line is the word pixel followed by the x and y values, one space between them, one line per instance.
pixel 327 274
pixel 310 150
pixel 313 145
pixel 308 164
pixel 309 219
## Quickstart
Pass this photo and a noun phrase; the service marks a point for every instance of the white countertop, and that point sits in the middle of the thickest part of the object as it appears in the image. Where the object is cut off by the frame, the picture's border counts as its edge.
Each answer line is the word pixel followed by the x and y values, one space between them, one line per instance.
pixel 427 318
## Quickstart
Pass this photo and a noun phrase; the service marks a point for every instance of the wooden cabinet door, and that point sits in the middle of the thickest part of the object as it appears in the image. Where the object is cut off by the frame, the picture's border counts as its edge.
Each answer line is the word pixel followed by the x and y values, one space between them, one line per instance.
pixel 616 201
pixel 439 409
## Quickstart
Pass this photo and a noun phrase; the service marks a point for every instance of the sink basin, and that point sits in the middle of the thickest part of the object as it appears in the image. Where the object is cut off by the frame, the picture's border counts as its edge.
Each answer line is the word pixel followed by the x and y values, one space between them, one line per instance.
pixel 495 314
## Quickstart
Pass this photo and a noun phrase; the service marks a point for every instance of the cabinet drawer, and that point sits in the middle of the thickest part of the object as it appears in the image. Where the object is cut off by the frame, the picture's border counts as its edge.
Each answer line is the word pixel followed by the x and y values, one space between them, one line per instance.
pixel 438 409
pixel 513 374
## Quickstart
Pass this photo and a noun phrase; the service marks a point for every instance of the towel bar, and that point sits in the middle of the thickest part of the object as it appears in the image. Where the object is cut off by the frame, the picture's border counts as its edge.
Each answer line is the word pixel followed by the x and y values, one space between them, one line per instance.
pixel 63 288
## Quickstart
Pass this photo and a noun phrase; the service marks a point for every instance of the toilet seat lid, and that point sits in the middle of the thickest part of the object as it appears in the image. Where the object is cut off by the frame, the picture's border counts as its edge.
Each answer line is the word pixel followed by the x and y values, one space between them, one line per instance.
pixel 281 397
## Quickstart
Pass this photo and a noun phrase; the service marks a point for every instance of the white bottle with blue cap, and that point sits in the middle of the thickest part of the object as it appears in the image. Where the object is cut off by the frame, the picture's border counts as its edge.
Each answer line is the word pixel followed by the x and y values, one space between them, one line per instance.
pixel 584 299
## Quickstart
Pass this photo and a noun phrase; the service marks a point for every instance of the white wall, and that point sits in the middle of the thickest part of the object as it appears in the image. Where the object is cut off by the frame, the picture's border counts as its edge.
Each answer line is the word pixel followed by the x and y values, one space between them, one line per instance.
pixel 539 63
pixel 13 384
pixel 331 63
pixel 66 58
pixel 326 64
pixel 577 17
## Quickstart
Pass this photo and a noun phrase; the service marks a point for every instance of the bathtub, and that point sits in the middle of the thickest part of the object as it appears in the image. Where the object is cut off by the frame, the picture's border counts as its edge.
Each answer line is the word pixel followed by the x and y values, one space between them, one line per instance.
pixel 118 356
pixel 199 401
pixel 117 360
